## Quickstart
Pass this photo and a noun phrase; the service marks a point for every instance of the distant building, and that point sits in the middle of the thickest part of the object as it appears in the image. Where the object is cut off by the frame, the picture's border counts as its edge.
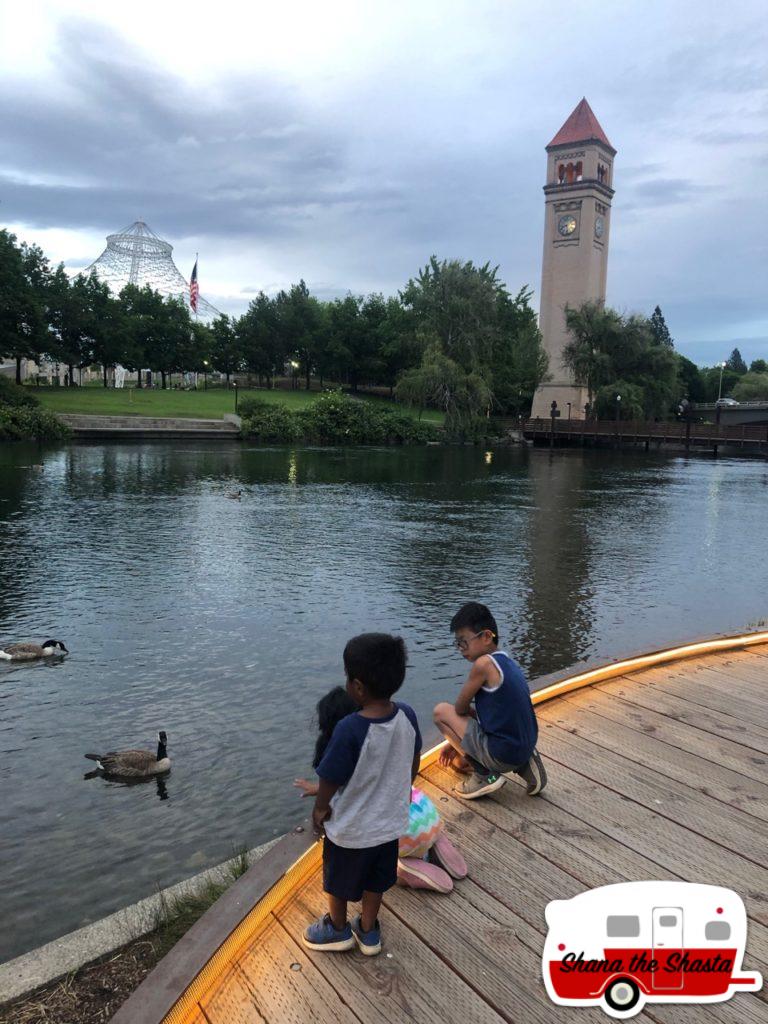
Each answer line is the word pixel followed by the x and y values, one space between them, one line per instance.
pixel 578 197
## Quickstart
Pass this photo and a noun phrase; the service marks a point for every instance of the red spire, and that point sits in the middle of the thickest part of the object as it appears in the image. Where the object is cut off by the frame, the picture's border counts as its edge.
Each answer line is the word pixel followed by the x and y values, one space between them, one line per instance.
pixel 581 126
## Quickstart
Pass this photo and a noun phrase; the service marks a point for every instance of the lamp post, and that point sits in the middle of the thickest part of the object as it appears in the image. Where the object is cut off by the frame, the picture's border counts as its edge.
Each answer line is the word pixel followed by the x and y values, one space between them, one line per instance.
pixel 720 386
pixel 234 385
pixel 205 375
pixel 294 369
pixel 569 412
pixel 618 408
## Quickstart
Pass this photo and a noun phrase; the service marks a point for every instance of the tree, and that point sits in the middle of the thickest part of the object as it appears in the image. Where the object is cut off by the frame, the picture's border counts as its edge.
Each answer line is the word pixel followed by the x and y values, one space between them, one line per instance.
pixel 752 387
pixel 719 381
pixel 692 383
pixel 736 363
pixel 68 319
pixel 520 362
pixel 226 350
pixel 24 273
pixel 105 325
pixel 299 320
pixel 660 329
pixel 758 366
pixel 260 340
pixel 610 352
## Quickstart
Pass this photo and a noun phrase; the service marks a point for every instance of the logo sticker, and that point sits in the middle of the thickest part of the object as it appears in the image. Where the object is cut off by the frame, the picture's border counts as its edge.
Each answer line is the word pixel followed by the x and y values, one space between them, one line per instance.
pixel 622 946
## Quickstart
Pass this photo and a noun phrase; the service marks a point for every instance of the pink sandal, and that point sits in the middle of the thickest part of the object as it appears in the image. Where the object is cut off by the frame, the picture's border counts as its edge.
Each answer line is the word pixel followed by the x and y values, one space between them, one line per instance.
pixel 420 874
pixel 448 857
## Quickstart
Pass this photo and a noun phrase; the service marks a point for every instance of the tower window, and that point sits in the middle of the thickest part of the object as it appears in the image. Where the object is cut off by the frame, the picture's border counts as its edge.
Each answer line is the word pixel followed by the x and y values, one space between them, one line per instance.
pixel 561 174
pixel 602 172
pixel 579 169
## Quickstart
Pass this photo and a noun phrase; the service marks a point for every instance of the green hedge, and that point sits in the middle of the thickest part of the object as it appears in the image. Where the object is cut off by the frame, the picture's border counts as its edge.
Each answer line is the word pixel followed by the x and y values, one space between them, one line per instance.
pixel 333 419
pixel 25 423
pixel 14 395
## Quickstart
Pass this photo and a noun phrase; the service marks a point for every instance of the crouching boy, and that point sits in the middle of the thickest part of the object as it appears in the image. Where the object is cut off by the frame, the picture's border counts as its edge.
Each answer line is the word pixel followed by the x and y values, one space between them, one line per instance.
pixel 496 739
pixel 364 795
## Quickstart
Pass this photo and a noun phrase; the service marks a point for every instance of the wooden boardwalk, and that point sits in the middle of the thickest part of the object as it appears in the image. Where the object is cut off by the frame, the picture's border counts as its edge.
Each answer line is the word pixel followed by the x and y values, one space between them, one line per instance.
pixel 659 774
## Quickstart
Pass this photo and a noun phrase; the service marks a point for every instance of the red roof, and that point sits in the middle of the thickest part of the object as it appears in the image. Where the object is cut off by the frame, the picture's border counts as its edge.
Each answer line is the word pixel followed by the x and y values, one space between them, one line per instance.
pixel 581 126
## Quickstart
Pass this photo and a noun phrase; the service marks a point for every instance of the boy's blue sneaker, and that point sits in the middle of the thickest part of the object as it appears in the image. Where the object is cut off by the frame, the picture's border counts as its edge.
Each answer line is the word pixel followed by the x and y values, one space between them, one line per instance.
pixel 369 942
pixel 322 935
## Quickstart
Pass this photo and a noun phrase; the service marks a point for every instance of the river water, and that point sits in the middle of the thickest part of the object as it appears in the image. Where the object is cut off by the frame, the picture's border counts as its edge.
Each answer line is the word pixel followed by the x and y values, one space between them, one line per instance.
pixel 223 621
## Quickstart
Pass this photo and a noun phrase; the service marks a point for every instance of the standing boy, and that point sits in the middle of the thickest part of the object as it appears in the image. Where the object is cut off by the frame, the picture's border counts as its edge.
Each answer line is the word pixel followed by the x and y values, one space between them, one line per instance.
pixel 497 737
pixel 364 794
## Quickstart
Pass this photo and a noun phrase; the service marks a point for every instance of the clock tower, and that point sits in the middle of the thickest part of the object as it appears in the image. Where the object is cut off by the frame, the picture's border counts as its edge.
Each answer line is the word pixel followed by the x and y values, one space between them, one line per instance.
pixel 577 221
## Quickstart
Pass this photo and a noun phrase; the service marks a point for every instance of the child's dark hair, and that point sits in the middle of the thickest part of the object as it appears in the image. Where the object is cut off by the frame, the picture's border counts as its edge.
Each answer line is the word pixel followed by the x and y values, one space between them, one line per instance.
pixel 331 708
pixel 476 617
pixel 377 660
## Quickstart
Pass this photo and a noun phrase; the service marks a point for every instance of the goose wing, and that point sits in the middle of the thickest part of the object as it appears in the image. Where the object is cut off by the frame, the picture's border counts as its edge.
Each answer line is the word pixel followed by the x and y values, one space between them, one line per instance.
pixel 128 762
pixel 24 650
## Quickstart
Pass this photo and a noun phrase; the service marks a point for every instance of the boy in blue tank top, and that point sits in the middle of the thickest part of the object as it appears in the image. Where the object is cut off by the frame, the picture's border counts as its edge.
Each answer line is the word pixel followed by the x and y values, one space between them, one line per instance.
pixel 496 738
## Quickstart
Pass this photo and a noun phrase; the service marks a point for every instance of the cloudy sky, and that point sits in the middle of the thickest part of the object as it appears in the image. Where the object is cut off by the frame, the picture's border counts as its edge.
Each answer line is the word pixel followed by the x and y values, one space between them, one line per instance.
pixel 344 142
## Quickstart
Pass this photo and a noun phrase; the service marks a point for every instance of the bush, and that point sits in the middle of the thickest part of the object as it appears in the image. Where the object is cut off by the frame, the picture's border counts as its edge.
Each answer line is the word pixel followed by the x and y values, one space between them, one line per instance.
pixel 263 421
pixel 11 394
pixel 333 419
pixel 25 423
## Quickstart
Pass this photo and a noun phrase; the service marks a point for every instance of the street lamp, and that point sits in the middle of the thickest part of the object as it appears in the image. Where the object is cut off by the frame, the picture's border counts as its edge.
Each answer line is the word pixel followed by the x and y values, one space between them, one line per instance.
pixel 618 408
pixel 294 373
pixel 234 385
pixel 569 412
pixel 720 387
pixel 205 375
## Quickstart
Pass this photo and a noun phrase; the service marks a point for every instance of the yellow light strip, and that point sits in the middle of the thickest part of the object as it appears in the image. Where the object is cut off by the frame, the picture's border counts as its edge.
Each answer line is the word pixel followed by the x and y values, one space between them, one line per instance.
pixel 186 1008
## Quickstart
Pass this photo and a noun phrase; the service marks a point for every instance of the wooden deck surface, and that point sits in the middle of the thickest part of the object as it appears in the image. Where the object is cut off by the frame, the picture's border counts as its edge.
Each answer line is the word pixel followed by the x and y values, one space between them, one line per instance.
pixel 661 774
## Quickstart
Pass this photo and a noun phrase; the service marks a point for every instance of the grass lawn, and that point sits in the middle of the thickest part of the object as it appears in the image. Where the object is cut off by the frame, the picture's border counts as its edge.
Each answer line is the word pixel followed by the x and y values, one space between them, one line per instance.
pixel 210 404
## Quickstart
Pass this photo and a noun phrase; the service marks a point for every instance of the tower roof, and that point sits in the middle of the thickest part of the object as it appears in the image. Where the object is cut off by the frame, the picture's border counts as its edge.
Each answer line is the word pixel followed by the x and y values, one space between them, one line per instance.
pixel 581 126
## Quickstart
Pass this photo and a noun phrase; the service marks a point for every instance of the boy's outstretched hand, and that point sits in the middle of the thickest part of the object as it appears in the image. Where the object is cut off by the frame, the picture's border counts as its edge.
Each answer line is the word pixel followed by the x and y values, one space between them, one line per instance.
pixel 307 788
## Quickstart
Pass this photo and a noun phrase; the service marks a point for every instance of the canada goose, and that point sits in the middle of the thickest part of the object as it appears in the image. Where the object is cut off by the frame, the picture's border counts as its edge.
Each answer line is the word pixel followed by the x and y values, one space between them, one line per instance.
pixel 30 652
pixel 235 495
pixel 134 764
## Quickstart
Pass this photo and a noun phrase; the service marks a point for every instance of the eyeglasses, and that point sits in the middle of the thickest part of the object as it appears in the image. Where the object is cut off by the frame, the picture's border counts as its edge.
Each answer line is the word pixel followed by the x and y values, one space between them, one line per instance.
pixel 463 644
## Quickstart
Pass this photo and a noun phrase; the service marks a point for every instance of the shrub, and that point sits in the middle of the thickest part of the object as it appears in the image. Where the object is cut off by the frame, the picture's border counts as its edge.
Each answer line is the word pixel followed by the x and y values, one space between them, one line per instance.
pixel 25 423
pixel 11 394
pixel 263 421
pixel 753 387
pixel 333 419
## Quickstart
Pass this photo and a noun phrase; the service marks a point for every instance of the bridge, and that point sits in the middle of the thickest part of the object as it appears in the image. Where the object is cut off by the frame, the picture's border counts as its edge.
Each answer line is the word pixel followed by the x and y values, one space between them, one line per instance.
pixel 748 437
pixel 733 415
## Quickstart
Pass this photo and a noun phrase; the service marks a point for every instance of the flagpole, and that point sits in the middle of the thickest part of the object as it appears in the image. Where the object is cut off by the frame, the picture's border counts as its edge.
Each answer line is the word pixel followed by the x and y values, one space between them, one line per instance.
pixel 197 301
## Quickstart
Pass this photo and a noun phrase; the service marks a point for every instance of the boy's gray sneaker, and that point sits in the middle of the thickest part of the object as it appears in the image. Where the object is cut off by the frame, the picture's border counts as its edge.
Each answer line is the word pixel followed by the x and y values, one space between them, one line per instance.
pixel 535 774
pixel 479 785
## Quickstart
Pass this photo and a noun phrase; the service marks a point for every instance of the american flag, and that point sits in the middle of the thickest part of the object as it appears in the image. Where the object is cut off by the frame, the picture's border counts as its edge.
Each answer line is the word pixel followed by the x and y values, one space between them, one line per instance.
pixel 194 290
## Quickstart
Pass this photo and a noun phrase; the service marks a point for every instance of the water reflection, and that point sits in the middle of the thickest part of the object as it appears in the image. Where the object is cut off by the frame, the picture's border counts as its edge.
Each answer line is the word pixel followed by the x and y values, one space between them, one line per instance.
pixel 225 621
pixel 110 781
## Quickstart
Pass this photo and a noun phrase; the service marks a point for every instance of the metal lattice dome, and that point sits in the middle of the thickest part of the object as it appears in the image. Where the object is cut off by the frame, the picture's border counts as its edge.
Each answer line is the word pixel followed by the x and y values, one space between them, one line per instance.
pixel 138 256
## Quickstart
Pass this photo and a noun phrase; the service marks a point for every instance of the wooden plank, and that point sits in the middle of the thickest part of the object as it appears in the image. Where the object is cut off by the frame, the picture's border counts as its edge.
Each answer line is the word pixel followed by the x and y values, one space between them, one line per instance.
pixel 657 699
pixel 483 942
pixel 263 986
pixel 730 828
pixel 407 981
pixel 705 777
pixel 594 851
pixel 491 861
pixel 682 736
pixel 715 694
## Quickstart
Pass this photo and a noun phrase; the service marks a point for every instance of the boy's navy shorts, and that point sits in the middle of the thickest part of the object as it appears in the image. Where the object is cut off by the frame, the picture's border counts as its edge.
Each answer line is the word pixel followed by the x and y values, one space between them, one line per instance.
pixel 347 874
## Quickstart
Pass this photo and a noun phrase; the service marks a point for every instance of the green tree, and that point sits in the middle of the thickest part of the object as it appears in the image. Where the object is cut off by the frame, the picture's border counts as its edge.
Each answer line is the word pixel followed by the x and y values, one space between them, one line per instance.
pixel 519 362
pixel 300 324
pixel 752 387
pixel 660 329
pixel 68 318
pixel 692 383
pixel 105 325
pixel 758 366
pixel 719 382
pixel 226 351
pixel 260 339
pixel 609 352
pixel 736 363
pixel 24 273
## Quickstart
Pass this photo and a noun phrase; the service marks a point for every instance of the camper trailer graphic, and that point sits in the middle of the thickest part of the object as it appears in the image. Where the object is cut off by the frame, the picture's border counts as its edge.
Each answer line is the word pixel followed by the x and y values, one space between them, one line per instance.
pixel 621 946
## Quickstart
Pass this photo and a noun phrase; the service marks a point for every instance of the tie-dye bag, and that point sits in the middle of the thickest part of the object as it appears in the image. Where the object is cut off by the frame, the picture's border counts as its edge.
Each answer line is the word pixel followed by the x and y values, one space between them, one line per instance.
pixel 424 826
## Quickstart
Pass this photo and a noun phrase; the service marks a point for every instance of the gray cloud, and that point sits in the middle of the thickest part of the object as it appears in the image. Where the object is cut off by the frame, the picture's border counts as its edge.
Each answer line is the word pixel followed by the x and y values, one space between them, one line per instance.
pixel 354 191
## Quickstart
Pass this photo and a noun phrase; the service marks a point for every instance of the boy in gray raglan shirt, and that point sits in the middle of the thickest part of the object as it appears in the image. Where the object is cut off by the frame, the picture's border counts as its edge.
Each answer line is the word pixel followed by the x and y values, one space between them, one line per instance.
pixel 364 794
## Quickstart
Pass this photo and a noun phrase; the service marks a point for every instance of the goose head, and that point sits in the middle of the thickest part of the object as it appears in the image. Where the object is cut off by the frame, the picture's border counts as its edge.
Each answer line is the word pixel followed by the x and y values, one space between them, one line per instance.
pixel 162 742
pixel 54 647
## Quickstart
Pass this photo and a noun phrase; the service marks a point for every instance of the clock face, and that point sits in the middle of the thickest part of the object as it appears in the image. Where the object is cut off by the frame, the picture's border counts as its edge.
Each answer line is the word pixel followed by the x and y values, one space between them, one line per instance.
pixel 599 227
pixel 566 225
